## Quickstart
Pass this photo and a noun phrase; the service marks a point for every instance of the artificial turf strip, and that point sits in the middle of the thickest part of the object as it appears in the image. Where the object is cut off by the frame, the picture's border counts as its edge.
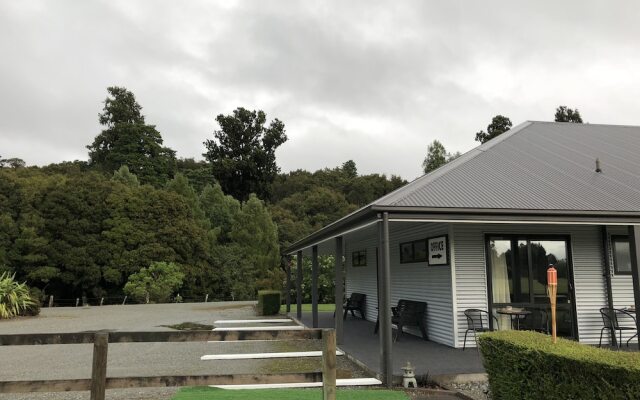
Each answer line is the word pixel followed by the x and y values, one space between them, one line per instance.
pixel 207 393
pixel 307 308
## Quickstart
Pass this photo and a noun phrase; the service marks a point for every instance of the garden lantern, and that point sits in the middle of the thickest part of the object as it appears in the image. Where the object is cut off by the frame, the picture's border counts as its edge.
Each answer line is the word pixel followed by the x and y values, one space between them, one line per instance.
pixel 552 291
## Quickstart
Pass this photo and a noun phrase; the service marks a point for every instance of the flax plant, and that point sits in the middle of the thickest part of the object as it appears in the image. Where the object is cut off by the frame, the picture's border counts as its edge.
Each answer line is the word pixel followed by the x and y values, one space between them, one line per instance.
pixel 15 298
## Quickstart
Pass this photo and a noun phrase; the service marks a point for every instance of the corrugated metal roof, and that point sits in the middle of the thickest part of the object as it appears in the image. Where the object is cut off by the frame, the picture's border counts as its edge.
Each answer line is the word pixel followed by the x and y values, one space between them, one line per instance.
pixel 537 166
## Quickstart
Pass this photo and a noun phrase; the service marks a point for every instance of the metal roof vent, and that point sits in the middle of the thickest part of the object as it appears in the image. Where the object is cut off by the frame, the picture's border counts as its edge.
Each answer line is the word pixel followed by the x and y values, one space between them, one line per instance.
pixel 598 165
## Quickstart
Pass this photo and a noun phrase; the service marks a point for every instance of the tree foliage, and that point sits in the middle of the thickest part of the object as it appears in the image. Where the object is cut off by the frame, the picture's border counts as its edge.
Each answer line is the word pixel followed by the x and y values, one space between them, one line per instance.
pixel 499 125
pixel 128 140
pixel 242 153
pixel 156 283
pixel 437 156
pixel 565 114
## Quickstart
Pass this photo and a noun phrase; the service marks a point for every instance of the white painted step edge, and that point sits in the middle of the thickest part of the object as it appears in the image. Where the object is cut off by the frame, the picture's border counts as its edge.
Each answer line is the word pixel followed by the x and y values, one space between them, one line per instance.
pixel 249 321
pixel 261 328
pixel 339 382
pixel 291 354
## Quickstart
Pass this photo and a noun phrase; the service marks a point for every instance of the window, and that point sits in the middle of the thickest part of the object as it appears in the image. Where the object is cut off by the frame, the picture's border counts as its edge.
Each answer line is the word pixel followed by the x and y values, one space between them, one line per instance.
pixel 621 255
pixel 411 252
pixel 359 258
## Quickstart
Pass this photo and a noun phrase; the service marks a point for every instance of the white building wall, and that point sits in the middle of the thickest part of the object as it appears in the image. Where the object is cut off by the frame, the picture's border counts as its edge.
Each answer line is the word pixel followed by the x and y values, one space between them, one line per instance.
pixel 471 278
pixel 415 281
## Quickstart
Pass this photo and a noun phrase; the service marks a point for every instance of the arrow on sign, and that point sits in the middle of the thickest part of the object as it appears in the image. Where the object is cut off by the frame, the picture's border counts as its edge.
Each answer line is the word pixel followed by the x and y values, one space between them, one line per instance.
pixel 437 256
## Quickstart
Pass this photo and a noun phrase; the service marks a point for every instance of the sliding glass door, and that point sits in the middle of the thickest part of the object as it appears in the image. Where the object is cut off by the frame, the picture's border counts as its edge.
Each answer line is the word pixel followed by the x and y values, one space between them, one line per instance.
pixel 517 267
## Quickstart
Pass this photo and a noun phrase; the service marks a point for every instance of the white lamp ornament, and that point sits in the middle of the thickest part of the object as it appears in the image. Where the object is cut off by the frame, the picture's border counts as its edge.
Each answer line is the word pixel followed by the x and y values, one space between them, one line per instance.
pixel 409 376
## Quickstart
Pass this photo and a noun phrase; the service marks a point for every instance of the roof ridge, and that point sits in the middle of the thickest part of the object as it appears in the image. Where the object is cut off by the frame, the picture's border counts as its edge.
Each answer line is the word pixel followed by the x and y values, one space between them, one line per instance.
pixel 414 185
pixel 585 124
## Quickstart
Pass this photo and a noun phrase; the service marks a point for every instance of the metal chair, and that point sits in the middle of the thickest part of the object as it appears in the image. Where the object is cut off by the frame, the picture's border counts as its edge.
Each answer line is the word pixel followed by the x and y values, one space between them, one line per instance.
pixel 476 323
pixel 611 323
pixel 537 321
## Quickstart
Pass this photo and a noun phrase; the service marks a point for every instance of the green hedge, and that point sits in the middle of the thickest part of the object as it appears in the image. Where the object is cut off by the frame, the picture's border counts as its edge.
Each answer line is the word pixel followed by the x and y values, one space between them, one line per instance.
pixel 268 302
pixel 527 365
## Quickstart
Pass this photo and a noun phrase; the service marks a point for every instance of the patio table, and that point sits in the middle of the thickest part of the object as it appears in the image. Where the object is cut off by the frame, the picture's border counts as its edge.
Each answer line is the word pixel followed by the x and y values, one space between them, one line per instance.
pixel 516 313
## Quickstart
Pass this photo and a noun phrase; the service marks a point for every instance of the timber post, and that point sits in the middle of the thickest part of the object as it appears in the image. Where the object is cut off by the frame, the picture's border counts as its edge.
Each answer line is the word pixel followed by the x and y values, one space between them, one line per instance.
pixel 329 364
pixel 314 286
pixel 288 294
pixel 50 301
pixel 339 290
pixel 299 286
pixel 634 250
pixel 99 368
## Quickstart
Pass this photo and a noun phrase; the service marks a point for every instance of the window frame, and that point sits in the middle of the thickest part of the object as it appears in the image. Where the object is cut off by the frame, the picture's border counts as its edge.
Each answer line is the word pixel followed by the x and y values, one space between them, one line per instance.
pixel 413 259
pixel 359 258
pixel 613 239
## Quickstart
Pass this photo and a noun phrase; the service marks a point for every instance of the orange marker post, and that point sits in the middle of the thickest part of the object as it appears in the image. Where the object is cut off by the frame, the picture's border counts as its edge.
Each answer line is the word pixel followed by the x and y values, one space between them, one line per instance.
pixel 552 291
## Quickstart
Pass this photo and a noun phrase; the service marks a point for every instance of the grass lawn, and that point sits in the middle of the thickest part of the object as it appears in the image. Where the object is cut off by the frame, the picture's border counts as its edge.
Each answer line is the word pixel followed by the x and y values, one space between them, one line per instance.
pixel 206 393
pixel 307 308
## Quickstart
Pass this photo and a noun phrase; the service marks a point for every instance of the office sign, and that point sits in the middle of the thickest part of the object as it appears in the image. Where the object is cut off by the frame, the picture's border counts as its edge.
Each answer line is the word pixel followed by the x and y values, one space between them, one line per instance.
pixel 438 248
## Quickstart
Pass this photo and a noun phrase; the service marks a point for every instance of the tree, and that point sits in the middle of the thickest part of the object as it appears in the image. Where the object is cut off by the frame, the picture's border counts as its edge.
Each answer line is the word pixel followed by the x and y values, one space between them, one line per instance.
pixel 242 153
pixel 499 125
pixel 565 114
pixel 436 157
pixel 128 140
pixel 220 209
pixel 255 238
pixel 349 169
pixel 155 283
pixel 123 176
pixel 12 163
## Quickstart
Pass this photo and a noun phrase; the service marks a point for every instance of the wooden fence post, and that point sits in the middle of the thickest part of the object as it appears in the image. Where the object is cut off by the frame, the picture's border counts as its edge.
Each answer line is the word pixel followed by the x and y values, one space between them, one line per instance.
pixel 99 369
pixel 329 364
pixel 50 301
pixel 101 301
pixel 206 297
pixel 125 300
pixel 77 301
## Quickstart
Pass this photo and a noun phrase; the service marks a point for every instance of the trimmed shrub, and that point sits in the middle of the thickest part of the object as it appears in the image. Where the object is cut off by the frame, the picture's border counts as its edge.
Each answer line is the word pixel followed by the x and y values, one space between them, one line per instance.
pixel 15 298
pixel 268 302
pixel 527 365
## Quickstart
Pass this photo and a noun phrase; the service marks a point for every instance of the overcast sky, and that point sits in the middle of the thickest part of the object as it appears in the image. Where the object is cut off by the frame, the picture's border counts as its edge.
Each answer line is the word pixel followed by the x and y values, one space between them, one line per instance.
pixel 369 81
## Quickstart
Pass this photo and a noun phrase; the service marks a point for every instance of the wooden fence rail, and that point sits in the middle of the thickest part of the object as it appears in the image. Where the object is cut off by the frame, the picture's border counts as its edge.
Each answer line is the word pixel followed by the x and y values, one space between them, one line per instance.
pixel 99 381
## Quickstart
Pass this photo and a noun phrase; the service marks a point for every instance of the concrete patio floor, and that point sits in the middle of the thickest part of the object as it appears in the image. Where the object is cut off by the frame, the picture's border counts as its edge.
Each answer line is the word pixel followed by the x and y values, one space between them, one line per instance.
pixel 427 357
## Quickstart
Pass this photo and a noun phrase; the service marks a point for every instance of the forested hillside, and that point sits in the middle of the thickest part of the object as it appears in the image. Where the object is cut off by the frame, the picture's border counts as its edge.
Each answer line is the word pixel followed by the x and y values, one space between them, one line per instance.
pixel 82 228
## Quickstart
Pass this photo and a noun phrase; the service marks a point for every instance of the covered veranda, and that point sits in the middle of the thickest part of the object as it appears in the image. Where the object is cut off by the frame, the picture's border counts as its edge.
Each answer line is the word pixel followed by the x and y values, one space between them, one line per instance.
pixel 428 358
pixel 379 352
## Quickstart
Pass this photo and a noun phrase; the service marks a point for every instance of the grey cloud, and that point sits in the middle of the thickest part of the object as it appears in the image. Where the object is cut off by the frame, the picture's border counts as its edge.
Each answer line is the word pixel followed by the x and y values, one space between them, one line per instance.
pixel 369 81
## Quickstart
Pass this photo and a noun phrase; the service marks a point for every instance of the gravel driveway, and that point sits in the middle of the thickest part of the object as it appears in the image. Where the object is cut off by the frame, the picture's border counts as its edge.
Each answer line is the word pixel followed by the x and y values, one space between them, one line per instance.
pixel 139 359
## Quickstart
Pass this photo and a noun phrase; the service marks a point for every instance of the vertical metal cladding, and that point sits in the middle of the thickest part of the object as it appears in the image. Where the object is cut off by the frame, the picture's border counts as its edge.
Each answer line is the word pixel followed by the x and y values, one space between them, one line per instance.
pixel 413 281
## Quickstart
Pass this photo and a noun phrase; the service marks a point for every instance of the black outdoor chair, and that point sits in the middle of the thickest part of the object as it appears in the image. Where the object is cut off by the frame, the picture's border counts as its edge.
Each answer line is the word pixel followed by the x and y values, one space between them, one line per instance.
pixel 408 313
pixel 356 302
pixel 477 322
pixel 537 321
pixel 611 323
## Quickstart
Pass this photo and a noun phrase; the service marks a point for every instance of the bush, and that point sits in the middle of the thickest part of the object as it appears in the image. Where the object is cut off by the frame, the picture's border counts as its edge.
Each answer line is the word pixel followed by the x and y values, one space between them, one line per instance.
pixel 527 365
pixel 268 302
pixel 154 284
pixel 15 298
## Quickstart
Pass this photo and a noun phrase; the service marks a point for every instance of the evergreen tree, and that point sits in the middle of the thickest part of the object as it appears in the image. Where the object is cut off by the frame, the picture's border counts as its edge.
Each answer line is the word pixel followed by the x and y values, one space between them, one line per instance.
pixel 499 125
pixel 243 153
pixel 128 140
pixel 220 209
pixel 565 114
pixel 255 236
pixel 123 176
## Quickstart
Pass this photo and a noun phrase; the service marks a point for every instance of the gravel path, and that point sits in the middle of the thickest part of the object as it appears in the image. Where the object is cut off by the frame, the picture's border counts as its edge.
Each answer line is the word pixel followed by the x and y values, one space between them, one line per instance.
pixel 141 359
